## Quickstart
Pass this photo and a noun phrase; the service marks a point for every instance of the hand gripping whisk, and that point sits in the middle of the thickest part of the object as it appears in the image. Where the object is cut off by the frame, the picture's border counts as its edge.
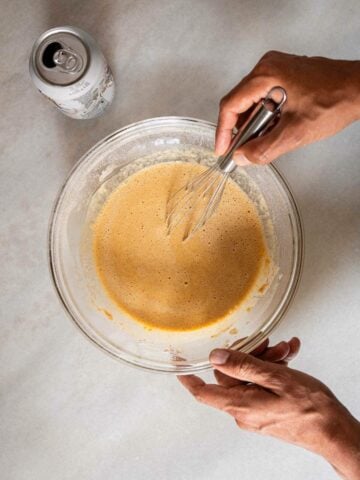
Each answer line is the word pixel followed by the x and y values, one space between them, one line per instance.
pixel 198 199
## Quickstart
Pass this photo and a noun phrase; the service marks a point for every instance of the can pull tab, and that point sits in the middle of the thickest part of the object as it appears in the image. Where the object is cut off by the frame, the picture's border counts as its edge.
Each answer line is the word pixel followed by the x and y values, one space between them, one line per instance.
pixel 67 60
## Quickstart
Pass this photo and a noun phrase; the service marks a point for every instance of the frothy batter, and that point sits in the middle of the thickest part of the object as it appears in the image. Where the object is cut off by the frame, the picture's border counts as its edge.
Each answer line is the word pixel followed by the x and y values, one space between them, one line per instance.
pixel 161 280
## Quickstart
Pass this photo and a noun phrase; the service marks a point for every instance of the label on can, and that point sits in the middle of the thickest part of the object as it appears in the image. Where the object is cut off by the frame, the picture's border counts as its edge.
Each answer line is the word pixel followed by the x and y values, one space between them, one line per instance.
pixel 89 103
pixel 69 69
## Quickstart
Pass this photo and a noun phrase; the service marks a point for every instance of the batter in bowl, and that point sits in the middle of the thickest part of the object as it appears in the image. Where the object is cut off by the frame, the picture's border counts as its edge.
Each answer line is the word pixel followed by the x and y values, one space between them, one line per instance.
pixel 161 280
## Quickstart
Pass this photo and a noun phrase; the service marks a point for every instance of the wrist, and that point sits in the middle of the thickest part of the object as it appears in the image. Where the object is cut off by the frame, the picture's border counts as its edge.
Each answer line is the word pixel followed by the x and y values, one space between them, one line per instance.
pixel 353 89
pixel 340 444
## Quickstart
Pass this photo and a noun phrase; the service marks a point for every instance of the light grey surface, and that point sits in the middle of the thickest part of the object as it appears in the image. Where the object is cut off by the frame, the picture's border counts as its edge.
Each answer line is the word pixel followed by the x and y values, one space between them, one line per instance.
pixel 67 410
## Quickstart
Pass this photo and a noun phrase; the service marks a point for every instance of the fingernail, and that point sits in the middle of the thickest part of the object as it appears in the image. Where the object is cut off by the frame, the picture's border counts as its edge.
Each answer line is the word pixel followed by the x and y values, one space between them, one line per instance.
pixel 241 160
pixel 219 356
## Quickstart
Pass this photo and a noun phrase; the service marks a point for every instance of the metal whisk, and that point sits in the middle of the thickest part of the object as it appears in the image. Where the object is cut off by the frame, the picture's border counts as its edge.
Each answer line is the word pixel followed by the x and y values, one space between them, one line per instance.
pixel 198 199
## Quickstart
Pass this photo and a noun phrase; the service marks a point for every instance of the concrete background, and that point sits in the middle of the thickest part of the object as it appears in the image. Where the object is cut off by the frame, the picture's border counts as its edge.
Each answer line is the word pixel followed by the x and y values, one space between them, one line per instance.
pixel 67 411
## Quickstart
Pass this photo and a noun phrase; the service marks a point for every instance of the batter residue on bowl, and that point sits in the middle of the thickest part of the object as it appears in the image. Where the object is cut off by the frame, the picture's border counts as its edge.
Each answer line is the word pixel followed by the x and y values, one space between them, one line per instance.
pixel 161 280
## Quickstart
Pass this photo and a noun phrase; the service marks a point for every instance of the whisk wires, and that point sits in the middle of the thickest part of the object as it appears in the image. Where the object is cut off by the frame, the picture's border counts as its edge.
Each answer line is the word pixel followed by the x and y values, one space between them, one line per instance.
pixel 193 205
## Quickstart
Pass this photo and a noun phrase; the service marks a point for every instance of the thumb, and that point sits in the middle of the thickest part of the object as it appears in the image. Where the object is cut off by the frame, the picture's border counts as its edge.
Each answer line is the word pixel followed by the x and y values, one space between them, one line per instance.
pixel 246 368
pixel 284 137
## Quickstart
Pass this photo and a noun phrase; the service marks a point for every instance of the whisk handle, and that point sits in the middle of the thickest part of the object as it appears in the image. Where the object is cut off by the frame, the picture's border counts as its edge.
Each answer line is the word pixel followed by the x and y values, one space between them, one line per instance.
pixel 268 109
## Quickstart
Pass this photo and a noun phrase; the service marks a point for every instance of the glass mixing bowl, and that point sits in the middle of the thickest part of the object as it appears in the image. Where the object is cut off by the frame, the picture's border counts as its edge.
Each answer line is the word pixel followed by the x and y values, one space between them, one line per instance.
pixel 96 174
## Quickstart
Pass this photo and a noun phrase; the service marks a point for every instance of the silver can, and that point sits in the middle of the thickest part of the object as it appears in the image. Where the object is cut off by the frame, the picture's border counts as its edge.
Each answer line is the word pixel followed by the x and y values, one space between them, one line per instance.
pixel 68 67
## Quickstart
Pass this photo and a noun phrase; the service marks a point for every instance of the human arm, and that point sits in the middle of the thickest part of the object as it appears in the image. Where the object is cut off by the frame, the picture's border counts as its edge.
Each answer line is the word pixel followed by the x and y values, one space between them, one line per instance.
pixel 323 98
pixel 273 399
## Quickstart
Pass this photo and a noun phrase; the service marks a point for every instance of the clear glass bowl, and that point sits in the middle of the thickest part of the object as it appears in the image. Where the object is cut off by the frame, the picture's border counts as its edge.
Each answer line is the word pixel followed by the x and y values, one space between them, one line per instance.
pixel 96 174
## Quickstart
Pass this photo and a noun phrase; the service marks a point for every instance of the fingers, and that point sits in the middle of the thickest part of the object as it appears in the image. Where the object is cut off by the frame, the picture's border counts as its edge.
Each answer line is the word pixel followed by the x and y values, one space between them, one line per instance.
pixel 229 382
pixel 213 395
pixel 230 400
pixel 261 348
pixel 295 346
pixel 277 353
pixel 225 380
pixel 284 137
pixel 239 100
pixel 247 368
pixel 232 371
pixel 191 382
pixel 224 131
pixel 282 352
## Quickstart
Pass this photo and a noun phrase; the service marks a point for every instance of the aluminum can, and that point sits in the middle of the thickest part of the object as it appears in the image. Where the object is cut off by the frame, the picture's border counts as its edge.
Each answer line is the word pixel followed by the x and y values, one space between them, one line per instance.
pixel 67 66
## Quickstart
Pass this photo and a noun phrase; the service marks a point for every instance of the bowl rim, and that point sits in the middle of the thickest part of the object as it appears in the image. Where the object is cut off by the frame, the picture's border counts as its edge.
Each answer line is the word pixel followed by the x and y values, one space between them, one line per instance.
pixel 257 337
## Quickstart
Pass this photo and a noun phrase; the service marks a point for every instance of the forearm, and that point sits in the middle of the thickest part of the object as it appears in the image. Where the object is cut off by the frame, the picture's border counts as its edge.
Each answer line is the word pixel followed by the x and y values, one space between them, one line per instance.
pixel 341 444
